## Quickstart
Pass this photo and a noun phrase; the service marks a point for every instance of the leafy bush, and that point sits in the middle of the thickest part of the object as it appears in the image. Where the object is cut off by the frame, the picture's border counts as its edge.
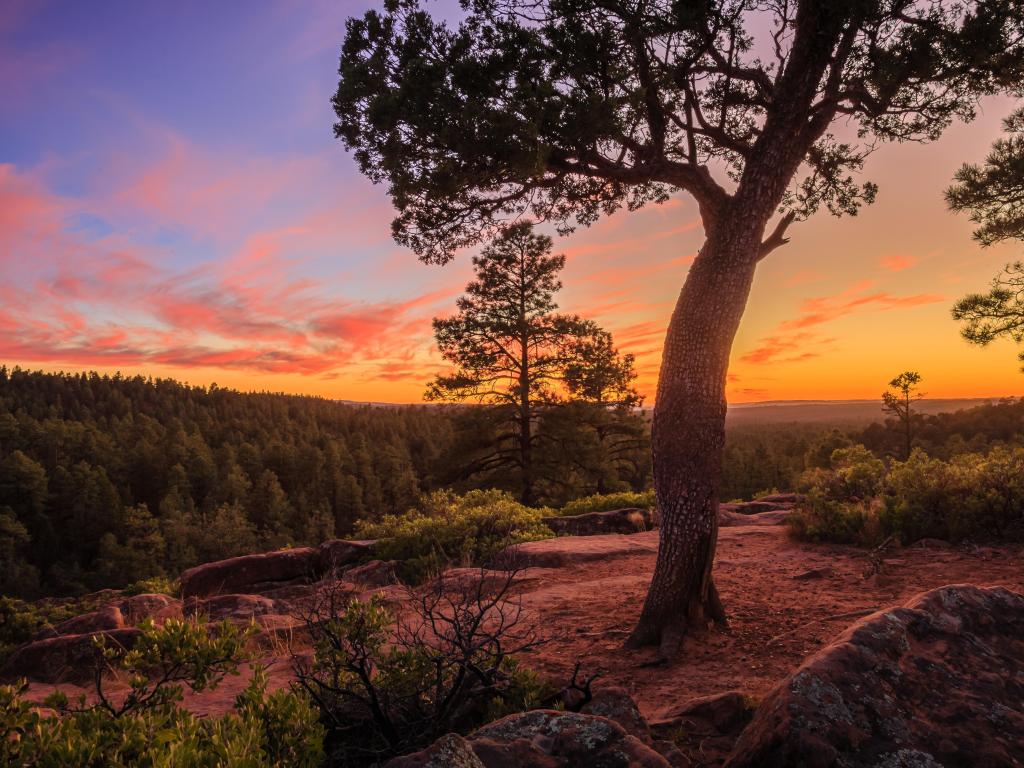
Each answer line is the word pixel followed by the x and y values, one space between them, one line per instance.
pixel 970 496
pixel 385 686
pixel 157 584
pixel 608 501
pixel 20 621
pixel 842 522
pixel 448 529
pixel 146 726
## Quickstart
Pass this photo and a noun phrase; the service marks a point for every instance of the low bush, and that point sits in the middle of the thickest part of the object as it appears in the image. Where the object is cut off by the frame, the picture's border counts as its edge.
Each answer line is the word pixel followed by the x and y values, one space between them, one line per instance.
pixel 157 584
pixel 608 501
pixel 146 726
pixel 386 686
pixel 859 500
pixel 447 529
pixel 21 620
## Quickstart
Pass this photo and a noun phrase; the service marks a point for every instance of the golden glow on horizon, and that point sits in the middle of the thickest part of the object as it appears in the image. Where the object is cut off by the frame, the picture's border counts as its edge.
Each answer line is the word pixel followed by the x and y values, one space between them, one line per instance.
pixel 848 304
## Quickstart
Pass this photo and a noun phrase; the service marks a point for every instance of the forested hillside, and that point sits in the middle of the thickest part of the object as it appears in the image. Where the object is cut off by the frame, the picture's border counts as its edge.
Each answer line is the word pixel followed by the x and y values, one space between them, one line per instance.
pixel 106 480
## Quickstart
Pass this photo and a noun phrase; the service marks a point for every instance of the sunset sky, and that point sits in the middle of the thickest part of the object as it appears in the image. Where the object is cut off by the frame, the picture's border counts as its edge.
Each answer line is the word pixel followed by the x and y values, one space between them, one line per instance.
pixel 173 203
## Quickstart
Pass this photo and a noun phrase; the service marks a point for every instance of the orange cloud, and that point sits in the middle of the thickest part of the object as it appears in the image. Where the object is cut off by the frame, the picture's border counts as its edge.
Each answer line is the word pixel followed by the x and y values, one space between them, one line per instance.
pixel 792 342
pixel 897 262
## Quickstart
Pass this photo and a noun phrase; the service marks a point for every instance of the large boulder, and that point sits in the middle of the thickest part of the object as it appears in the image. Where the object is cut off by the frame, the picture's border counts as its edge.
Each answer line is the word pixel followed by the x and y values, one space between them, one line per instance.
pixel 102 619
pixel 233 607
pixel 725 712
pixel 449 751
pixel 376 573
pixel 150 606
pixel 541 738
pixel 617 705
pixel 630 520
pixel 251 573
pixel 66 658
pixel 938 681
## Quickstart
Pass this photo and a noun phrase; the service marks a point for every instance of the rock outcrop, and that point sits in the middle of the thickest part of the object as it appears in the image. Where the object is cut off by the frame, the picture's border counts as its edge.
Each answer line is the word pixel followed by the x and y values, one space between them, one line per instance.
pixel 66 658
pixel 938 681
pixel 629 520
pixel 541 738
pixel 149 606
pixel 252 574
pixel 105 618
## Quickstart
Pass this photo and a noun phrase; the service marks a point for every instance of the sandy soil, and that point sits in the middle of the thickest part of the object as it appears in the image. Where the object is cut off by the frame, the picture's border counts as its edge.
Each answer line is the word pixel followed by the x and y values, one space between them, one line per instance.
pixel 776 620
pixel 585 611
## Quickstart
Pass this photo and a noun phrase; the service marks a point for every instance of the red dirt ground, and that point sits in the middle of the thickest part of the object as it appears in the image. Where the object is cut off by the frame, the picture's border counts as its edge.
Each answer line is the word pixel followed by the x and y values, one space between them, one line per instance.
pixel 586 610
pixel 775 619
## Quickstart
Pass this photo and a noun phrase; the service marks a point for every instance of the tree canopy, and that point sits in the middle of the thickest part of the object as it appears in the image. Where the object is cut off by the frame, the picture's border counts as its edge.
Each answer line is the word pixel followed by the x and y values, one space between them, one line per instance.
pixel 567 110
pixel 993 193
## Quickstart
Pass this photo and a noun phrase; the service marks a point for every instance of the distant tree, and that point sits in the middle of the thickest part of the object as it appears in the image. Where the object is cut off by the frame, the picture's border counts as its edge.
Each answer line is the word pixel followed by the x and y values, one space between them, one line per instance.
pixel 601 381
pixel 16 575
pixel 598 373
pixel 993 193
pixel 899 402
pixel 569 111
pixel 509 345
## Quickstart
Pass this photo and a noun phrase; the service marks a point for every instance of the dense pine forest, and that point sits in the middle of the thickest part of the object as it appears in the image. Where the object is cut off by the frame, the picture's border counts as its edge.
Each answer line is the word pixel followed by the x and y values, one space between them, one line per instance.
pixel 108 480
pixel 105 481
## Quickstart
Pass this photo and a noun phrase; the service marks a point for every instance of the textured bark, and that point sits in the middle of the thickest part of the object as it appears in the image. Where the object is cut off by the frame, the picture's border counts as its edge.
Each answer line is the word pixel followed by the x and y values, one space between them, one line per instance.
pixel 689 434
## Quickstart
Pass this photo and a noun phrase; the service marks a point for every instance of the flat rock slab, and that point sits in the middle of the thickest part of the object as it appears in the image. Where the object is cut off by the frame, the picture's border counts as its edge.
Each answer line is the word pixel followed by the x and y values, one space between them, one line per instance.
pixel 627 521
pixel 569 550
pixel 938 681
pixel 728 518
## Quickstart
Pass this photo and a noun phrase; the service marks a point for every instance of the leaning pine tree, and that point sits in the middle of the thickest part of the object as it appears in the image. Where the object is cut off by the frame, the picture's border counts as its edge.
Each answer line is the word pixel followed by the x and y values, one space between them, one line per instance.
pixel 569 110
pixel 509 345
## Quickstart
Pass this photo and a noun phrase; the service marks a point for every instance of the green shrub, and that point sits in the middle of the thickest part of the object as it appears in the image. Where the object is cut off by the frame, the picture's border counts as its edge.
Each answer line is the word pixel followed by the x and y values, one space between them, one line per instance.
pixel 146 726
pixel 608 501
pixel 447 529
pixel 157 584
pixel 20 621
pixel 842 522
pixel 970 496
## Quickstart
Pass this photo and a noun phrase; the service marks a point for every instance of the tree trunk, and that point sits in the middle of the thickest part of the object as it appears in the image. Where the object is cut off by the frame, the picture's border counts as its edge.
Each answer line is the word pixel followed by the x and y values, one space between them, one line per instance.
pixel 688 431
pixel 526 456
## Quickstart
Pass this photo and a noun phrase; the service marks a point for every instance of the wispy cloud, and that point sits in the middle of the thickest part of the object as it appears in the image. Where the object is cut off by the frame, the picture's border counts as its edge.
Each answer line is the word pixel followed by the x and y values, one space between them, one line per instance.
pixel 797 339
pixel 897 262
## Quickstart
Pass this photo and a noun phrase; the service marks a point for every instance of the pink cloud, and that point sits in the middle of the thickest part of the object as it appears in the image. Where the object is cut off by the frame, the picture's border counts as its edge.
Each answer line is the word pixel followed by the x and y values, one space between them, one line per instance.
pixel 111 302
